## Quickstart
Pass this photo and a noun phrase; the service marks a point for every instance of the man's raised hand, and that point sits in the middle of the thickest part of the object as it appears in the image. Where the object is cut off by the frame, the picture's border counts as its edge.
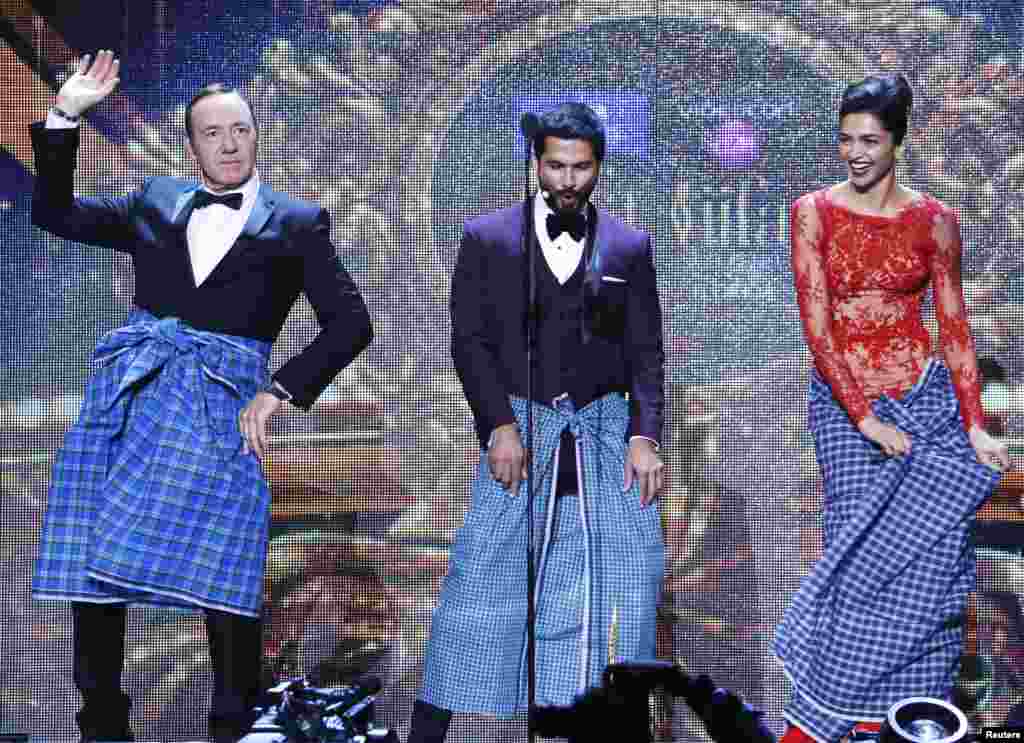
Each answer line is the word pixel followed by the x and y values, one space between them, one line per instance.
pixel 90 84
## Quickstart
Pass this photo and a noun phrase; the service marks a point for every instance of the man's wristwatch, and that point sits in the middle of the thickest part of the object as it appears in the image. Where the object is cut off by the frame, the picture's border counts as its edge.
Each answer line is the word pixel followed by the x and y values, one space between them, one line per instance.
pixel 275 389
pixel 61 113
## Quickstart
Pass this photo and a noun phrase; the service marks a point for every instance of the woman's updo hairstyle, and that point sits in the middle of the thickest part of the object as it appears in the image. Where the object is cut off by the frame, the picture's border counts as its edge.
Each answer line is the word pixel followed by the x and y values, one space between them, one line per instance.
pixel 888 97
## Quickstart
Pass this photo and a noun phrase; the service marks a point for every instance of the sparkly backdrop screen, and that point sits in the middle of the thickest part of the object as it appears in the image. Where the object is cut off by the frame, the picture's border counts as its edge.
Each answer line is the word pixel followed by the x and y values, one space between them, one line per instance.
pixel 400 118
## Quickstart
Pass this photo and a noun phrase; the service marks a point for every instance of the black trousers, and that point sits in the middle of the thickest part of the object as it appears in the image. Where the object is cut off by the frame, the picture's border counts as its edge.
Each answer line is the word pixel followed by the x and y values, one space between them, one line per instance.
pixel 429 724
pixel 236 645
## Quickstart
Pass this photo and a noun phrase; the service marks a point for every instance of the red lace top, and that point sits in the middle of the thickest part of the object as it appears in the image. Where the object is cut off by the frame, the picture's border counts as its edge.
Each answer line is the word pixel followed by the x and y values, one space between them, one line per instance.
pixel 860 281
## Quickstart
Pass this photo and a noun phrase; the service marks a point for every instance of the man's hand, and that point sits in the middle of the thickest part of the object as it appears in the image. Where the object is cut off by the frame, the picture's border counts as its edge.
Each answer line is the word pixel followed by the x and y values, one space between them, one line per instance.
pixel 90 84
pixel 252 422
pixel 645 466
pixel 507 458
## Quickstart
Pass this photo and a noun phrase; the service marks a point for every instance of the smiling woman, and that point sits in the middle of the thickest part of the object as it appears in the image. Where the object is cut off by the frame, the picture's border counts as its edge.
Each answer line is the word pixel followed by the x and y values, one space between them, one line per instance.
pixel 868 149
pixel 873 122
pixel 864 252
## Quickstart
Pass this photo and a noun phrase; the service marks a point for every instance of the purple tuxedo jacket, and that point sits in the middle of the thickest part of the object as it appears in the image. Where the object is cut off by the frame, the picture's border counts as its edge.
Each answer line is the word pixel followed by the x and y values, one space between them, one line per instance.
pixel 283 250
pixel 622 317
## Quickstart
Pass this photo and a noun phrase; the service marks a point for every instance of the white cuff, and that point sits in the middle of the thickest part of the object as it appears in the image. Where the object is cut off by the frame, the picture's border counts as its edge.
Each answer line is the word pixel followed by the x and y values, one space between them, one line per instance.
pixel 53 121
pixel 657 446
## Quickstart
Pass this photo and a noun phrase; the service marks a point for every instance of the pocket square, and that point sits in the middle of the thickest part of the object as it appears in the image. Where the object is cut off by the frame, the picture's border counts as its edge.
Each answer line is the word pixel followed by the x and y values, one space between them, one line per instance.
pixel 613 279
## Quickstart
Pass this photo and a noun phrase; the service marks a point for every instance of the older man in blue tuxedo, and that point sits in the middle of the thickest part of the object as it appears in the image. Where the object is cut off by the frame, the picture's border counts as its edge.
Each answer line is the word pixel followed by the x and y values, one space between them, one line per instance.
pixel 158 495
pixel 596 402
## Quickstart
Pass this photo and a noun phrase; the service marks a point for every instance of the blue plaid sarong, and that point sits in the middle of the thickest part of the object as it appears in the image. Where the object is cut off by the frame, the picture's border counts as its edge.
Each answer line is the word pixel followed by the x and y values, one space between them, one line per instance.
pixel 596 554
pixel 880 616
pixel 151 500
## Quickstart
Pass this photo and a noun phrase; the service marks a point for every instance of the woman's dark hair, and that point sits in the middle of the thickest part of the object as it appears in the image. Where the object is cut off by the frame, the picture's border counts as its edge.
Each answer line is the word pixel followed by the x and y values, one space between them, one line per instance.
pixel 570 121
pixel 888 97
pixel 211 90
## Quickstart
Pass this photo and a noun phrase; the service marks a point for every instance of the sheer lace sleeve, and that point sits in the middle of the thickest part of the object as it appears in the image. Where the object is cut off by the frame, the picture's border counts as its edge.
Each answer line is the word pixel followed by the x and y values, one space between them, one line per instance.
pixel 954 330
pixel 812 291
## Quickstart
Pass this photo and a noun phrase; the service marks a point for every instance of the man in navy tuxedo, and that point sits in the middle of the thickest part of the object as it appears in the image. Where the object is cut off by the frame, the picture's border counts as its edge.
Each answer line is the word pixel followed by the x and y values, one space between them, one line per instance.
pixel 597 408
pixel 158 495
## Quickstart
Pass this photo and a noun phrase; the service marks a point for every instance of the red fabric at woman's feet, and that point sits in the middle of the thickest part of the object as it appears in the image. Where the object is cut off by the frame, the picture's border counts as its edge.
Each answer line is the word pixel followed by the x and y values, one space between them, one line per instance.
pixel 867 727
pixel 796 735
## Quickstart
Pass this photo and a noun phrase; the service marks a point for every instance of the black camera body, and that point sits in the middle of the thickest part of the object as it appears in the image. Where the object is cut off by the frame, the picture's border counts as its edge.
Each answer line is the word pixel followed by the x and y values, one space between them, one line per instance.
pixel 618 710
pixel 301 713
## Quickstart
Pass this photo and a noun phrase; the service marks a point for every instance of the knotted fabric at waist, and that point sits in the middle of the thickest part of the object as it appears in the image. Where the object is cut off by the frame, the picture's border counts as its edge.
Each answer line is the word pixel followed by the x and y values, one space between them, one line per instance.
pixel 208 367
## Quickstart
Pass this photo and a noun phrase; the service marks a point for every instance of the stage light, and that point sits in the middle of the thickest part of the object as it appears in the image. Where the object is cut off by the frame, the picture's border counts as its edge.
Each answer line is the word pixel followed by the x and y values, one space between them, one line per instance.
pixel 924 720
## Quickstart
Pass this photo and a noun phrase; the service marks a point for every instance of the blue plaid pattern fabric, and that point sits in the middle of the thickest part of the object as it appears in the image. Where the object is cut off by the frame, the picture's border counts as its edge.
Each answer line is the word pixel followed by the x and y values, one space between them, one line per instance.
pixel 597 553
pixel 880 616
pixel 151 500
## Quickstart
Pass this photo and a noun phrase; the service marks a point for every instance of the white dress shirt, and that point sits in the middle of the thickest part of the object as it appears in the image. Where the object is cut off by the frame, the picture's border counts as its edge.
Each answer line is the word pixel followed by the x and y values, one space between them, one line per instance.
pixel 213 229
pixel 562 254
pixel 53 121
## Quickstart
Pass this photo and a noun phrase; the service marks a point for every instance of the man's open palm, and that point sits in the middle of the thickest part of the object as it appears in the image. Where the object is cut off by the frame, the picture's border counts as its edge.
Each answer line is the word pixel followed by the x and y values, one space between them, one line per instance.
pixel 90 84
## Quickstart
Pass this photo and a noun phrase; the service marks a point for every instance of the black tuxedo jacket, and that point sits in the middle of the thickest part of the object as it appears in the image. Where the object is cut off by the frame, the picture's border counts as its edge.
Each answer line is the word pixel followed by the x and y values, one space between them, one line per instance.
pixel 622 317
pixel 283 250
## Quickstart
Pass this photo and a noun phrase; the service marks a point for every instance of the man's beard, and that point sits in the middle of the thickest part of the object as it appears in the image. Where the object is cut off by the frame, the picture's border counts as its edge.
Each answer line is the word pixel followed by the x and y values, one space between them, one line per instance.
pixel 579 202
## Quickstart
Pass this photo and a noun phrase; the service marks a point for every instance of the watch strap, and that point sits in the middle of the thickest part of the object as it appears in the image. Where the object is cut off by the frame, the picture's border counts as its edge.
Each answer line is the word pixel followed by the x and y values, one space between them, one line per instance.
pixel 57 111
pixel 275 389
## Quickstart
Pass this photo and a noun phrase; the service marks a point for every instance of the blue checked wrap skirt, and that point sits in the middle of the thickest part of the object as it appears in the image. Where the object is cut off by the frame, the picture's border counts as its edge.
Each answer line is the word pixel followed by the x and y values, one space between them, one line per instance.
pixel 597 554
pixel 151 500
pixel 880 617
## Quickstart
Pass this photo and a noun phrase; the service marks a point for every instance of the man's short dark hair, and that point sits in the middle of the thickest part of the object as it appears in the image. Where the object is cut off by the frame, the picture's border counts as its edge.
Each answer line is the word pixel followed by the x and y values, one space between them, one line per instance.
pixel 570 121
pixel 211 90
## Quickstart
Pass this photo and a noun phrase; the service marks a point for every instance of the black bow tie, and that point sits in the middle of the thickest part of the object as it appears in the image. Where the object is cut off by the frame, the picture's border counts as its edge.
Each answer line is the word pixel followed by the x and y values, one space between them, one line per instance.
pixel 205 198
pixel 575 223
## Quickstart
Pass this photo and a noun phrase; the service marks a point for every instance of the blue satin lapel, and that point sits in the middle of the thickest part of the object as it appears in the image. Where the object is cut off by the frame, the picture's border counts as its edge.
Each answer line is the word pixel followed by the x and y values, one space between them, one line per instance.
pixel 261 212
pixel 183 208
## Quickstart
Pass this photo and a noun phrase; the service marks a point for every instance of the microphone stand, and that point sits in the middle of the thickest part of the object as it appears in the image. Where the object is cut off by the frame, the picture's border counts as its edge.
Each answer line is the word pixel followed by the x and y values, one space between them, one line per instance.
pixel 530 251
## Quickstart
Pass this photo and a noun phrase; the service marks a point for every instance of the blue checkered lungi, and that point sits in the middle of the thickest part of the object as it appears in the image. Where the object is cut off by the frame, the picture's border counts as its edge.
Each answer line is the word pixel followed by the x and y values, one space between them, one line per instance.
pixel 597 553
pixel 151 499
pixel 880 617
